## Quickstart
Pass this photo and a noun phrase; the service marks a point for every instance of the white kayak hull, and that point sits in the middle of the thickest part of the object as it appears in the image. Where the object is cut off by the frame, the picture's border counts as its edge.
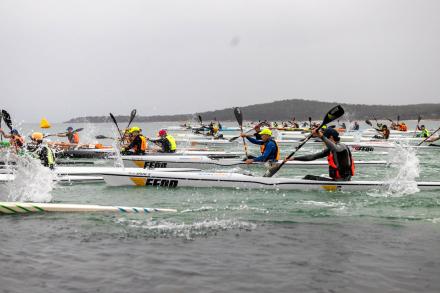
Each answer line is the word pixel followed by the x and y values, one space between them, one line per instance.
pixel 203 162
pixel 154 179
pixel 87 174
pixel 63 179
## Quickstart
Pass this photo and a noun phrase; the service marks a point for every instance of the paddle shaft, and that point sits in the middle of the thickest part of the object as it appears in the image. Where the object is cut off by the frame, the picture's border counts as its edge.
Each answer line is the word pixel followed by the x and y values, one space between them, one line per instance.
pixel 298 147
pixel 244 143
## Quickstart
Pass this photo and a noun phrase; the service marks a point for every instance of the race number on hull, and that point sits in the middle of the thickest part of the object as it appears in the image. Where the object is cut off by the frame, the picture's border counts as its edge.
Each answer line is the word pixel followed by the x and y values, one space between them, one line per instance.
pixel 361 148
pixel 150 165
pixel 171 183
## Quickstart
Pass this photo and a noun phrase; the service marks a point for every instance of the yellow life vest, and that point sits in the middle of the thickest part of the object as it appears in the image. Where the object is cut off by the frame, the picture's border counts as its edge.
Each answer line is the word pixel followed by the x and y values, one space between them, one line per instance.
pixel 172 141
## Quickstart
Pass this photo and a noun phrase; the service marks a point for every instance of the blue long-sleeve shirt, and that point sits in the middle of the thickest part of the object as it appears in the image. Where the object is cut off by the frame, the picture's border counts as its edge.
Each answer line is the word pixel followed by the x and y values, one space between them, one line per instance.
pixel 270 152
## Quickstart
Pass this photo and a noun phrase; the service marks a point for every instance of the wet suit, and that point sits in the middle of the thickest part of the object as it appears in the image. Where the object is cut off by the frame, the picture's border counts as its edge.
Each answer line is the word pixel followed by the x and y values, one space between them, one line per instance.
pixel 341 156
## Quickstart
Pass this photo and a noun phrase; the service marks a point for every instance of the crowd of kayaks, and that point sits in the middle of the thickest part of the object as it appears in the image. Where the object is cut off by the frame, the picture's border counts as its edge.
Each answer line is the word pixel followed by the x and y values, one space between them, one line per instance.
pixel 198 164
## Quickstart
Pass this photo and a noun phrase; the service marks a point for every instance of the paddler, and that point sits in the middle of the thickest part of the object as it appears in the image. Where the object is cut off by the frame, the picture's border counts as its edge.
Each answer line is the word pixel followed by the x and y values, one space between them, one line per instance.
pixel 355 126
pixel 166 142
pixel 15 139
pixel 138 143
pixel 340 160
pixel 384 133
pixel 71 135
pixel 270 151
pixel 424 131
pixel 43 152
pixel 403 127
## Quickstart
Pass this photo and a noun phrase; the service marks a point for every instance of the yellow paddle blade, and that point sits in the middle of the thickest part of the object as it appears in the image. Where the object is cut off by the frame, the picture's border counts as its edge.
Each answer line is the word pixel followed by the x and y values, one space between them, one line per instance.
pixel 44 123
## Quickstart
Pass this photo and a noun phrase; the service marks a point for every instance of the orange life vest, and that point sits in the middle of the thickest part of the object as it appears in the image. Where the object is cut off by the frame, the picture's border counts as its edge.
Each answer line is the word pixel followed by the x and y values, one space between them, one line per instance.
pixel 403 127
pixel 143 146
pixel 346 171
pixel 263 148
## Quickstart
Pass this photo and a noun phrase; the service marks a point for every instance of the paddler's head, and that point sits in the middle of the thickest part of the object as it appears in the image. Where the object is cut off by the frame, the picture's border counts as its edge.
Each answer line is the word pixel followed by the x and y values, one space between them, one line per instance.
pixel 14 132
pixel 37 137
pixel 423 127
pixel 162 133
pixel 332 134
pixel 266 133
pixel 69 129
pixel 134 131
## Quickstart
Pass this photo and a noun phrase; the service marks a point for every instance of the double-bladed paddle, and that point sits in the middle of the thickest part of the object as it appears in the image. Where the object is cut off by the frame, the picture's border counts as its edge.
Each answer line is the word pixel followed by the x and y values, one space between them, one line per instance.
pixel 7 119
pixel 239 116
pixel 332 115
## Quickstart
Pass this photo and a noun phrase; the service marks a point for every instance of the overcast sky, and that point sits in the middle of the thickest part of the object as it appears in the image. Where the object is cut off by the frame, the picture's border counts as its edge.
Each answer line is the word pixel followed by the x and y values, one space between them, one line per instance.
pixel 64 59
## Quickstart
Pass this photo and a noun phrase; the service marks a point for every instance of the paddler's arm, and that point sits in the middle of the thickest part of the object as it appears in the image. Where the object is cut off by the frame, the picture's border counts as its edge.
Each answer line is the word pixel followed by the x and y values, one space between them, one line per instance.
pixel 311 157
pixel 133 143
pixel 253 140
pixel 331 145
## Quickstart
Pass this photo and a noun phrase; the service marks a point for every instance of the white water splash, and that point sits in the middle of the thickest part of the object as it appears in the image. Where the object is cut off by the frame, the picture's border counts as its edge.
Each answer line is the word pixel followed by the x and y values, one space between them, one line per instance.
pixel 33 182
pixel 89 136
pixel 401 177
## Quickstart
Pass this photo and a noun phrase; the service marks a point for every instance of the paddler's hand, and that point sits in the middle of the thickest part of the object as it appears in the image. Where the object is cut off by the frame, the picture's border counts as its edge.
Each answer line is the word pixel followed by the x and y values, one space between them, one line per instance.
pixel 286 159
pixel 243 135
pixel 316 133
pixel 249 161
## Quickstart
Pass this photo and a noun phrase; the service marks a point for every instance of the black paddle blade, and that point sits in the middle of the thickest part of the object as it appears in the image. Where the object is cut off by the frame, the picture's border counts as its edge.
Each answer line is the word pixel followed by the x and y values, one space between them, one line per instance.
pixel 200 119
pixel 238 116
pixel 113 118
pixel 333 114
pixel 7 119
pixel 132 115
pixel 368 122
pixel 398 118
pixel 78 130
pixel 233 138
pixel 419 119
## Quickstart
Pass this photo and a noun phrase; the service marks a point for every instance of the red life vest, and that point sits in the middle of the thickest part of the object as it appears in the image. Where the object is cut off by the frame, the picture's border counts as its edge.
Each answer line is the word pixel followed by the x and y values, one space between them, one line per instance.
pixel 346 167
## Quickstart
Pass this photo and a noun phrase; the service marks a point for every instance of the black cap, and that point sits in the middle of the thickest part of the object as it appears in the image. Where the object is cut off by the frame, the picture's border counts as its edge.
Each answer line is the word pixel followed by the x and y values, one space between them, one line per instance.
pixel 331 132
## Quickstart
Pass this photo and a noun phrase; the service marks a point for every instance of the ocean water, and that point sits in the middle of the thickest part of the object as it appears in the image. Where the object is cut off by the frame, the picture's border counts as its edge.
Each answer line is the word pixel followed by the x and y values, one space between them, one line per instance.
pixel 224 240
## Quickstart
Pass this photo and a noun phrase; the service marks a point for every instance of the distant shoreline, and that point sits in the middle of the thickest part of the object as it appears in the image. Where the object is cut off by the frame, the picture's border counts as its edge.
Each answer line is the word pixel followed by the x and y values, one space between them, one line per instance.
pixel 285 110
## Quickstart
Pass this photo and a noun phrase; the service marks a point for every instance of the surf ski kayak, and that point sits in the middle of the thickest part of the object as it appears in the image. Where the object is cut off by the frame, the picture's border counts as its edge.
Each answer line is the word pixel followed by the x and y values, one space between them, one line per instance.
pixel 208 162
pixel 155 179
pixel 63 179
